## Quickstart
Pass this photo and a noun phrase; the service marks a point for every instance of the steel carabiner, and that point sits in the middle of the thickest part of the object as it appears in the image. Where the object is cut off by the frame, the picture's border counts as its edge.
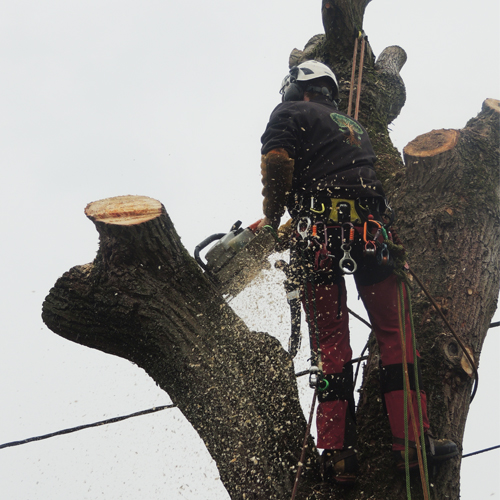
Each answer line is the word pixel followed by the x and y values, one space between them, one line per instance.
pixel 306 230
pixel 383 257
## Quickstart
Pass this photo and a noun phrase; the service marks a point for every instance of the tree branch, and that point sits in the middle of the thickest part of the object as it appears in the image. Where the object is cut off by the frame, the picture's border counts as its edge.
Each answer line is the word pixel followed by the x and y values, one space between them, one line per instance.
pixel 145 299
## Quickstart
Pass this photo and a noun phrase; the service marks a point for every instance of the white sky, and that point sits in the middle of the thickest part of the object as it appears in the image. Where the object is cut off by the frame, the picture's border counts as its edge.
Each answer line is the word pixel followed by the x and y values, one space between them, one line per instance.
pixel 169 99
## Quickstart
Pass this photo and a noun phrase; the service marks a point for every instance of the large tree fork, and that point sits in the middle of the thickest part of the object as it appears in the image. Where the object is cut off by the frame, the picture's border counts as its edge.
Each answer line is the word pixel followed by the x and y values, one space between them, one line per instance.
pixel 145 299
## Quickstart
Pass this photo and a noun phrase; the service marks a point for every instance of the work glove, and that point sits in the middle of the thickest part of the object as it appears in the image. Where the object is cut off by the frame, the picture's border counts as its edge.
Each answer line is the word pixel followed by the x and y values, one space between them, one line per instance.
pixel 277 174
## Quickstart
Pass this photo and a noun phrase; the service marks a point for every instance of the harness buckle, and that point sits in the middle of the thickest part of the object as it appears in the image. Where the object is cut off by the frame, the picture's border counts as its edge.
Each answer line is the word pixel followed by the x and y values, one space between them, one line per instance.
pixel 370 248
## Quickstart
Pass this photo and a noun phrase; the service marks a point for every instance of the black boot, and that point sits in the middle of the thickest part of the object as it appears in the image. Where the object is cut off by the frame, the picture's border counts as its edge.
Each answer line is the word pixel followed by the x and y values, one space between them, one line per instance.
pixel 340 466
pixel 437 451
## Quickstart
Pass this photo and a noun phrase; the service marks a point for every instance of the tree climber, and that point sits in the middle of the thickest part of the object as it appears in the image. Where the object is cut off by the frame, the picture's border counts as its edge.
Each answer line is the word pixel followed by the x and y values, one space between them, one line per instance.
pixel 318 163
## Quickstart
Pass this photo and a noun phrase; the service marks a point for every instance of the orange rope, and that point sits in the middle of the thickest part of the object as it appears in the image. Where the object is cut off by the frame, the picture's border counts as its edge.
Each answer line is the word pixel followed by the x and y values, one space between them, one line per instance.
pixel 360 76
pixel 410 399
pixel 353 75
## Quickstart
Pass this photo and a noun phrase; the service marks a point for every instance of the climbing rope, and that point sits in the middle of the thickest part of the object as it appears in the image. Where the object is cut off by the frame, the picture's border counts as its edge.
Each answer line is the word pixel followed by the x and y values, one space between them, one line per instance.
pixel 304 445
pixel 408 404
pixel 360 74
pixel 417 384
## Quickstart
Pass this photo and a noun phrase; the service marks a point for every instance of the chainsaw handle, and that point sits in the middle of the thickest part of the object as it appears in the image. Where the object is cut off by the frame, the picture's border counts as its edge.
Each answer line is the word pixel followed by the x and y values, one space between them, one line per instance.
pixel 202 245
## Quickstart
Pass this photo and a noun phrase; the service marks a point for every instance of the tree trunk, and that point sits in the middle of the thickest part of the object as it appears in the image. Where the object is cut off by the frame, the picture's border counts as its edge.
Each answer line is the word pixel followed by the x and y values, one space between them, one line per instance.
pixel 447 202
pixel 145 299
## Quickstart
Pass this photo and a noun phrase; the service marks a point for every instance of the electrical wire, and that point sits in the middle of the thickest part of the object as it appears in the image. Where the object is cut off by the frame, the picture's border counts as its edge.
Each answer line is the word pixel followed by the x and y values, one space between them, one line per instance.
pixel 86 426
pixel 481 451
pixel 145 412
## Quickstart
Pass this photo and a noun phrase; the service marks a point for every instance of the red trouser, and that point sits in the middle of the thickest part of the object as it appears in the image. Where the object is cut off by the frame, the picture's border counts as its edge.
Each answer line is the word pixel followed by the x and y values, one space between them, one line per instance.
pixel 381 303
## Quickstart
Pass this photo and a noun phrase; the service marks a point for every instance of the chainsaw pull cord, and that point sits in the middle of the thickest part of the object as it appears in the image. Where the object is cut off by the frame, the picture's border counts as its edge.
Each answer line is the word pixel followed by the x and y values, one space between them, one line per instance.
pixel 408 404
pixel 361 35
pixel 273 232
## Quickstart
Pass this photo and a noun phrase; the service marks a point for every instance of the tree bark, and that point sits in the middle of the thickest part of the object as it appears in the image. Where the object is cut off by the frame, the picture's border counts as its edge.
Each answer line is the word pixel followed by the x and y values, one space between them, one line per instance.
pixel 448 207
pixel 145 299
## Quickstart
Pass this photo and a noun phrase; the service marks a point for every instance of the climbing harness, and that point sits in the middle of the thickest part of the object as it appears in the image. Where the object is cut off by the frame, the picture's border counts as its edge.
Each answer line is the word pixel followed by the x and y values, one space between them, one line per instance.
pixel 361 34
pixel 327 232
pixel 313 254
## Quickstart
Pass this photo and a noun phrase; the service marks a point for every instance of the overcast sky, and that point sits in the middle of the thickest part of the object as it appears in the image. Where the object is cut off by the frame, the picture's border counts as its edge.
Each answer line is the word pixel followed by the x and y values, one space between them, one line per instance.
pixel 169 100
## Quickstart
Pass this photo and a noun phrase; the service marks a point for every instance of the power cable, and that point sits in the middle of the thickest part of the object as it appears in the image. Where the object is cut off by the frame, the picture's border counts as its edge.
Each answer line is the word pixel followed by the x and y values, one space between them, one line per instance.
pixel 86 426
pixel 145 412
pixel 481 451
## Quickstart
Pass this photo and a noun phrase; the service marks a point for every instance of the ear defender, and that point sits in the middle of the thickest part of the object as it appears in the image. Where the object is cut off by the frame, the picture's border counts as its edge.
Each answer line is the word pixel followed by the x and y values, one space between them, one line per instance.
pixel 320 90
pixel 293 91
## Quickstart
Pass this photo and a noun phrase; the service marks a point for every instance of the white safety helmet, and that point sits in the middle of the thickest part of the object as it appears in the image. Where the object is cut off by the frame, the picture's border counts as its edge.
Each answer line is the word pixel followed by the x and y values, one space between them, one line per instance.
pixel 295 83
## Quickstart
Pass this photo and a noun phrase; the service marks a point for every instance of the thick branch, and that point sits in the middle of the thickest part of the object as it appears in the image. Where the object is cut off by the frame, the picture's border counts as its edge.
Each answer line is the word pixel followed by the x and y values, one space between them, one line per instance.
pixel 391 87
pixel 145 299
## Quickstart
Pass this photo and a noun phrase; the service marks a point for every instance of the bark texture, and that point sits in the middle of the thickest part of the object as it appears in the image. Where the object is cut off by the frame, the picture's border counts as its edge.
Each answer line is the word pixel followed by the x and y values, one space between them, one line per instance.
pixel 145 299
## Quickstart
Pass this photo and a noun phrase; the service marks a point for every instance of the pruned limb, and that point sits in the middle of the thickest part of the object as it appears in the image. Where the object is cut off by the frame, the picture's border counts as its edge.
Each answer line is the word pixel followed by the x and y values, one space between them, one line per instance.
pixel 145 299
pixel 392 89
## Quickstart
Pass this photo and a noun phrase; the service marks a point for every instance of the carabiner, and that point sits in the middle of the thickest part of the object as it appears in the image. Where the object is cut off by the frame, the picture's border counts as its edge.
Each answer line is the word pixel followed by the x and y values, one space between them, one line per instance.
pixel 307 221
pixel 350 238
pixel 383 257
pixel 365 229
pixel 316 211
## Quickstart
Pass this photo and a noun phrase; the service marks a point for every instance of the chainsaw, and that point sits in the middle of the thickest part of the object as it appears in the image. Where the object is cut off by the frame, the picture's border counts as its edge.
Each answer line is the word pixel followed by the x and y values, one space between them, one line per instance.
pixel 236 258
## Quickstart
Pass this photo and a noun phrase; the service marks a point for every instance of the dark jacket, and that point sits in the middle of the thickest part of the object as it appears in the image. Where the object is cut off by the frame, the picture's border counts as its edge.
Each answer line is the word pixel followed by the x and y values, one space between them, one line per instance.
pixel 332 152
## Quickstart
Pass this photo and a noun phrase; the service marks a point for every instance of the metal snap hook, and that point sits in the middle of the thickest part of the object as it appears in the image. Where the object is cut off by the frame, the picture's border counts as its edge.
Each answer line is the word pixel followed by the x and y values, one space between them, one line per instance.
pixel 307 222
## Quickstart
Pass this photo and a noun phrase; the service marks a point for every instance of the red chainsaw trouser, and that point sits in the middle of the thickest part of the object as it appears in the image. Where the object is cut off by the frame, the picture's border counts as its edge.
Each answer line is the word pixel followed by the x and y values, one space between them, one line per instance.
pixel 332 319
